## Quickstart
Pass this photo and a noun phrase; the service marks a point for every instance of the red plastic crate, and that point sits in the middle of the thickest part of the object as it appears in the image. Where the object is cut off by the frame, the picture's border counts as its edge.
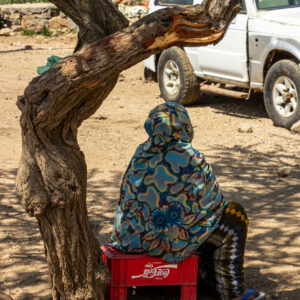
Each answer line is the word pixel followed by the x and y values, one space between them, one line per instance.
pixel 142 270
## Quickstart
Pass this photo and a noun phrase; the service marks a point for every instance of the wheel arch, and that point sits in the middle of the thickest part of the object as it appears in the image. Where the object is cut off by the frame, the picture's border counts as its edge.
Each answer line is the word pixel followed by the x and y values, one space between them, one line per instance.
pixel 158 55
pixel 264 51
pixel 274 56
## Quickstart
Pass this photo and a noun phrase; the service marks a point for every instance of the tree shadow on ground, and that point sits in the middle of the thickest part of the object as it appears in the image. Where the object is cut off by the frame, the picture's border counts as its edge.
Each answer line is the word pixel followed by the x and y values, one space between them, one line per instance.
pixel 246 175
pixel 12 215
pixel 271 199
pixel 21 245
pixel 20 242
pixel 102 199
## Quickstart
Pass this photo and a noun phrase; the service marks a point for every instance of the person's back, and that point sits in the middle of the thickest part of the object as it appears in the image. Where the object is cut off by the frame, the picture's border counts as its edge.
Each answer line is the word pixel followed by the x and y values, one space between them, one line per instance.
pixel 171 206
pixel 170 201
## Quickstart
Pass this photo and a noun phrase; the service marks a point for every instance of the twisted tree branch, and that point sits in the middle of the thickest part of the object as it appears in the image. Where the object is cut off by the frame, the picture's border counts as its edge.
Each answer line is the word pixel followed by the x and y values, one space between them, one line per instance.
pixel 51 180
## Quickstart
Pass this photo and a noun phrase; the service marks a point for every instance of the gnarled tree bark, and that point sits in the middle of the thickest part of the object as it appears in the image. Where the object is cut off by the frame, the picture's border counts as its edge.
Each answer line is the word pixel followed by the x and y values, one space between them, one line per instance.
pixel 51 181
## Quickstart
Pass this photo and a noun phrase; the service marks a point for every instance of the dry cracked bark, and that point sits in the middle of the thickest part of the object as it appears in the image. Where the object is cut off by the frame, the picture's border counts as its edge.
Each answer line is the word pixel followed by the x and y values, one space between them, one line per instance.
pixel 52 177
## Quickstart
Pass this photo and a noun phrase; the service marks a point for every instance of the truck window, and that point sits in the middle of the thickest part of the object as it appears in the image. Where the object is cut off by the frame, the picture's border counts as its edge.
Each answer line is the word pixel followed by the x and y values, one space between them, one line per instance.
pixel 243 10
pixel 273 4
pixel 174 2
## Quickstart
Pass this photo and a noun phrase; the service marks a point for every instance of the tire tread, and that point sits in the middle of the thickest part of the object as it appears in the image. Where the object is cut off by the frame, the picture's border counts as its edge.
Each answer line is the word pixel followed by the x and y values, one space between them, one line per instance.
pixel 190 89
pixel 285 67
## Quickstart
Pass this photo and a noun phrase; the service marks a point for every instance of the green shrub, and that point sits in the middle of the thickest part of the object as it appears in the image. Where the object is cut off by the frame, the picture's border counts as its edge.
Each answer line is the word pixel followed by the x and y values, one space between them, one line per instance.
pixel 26 31
pixel 58 32
pixel 45 32
pixel 1 23
pixel 54 12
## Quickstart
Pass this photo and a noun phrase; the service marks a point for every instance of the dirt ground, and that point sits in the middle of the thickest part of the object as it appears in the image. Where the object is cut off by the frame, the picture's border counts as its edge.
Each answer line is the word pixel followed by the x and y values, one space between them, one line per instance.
pixel 246 165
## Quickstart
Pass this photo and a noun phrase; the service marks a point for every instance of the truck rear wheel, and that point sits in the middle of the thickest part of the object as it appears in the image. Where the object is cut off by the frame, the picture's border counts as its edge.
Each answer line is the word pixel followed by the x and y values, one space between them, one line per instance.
pixel 176 77
pixel 282 92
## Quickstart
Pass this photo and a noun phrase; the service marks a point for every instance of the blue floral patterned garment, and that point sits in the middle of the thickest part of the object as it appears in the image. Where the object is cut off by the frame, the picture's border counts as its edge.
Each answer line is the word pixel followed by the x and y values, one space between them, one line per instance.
pixel 170 202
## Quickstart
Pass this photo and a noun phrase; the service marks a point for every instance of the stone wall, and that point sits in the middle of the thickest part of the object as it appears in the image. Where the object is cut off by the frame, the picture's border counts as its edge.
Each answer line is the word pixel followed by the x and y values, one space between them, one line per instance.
pixel 38 16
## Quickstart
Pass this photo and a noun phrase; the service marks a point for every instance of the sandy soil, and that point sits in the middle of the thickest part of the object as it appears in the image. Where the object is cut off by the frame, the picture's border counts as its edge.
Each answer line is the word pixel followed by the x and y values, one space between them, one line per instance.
pixel 246 165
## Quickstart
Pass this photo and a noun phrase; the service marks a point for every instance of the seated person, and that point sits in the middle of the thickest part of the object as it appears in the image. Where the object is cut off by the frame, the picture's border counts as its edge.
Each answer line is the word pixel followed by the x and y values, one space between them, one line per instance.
pixel 171 206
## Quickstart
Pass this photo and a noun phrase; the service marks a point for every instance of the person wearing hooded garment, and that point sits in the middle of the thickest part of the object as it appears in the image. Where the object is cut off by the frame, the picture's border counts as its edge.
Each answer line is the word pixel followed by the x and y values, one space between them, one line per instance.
pixel 171 206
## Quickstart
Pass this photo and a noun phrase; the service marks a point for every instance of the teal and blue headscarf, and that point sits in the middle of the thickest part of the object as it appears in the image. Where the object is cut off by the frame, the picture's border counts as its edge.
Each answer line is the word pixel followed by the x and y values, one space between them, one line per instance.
pixel 169 202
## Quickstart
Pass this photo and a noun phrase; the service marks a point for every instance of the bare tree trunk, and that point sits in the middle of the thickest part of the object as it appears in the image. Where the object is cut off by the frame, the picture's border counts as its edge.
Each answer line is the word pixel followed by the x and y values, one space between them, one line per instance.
pixel 51 181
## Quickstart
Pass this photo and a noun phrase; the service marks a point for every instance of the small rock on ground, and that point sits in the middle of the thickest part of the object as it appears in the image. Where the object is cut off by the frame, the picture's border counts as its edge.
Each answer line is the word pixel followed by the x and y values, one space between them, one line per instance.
pixel 245 128
pixel 283 172
pixel 296 127
pixel 4 236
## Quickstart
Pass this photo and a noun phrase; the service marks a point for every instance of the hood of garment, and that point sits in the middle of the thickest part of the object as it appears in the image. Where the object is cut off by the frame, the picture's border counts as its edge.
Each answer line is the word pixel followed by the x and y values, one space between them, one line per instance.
pixel 168 123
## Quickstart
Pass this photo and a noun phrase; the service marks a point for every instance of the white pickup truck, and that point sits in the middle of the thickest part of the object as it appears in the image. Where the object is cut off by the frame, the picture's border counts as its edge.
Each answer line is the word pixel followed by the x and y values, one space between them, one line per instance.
pixel 259 52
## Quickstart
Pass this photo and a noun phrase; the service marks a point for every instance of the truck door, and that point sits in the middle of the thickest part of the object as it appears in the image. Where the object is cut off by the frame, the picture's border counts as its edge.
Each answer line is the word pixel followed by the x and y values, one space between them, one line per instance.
pixel 228 59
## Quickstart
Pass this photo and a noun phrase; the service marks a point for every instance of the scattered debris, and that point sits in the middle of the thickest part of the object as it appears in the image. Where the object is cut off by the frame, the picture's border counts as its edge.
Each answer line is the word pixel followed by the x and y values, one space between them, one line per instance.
pixel 121 77
pixel 6 256
pixel 296 127
pixel 15 44
pixel 245 128
pixel 283 172
pixel 100 118
pixel 5 32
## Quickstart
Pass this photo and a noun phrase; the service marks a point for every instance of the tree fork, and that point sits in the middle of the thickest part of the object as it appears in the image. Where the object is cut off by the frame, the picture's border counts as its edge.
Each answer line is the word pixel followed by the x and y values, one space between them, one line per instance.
pixel 52 177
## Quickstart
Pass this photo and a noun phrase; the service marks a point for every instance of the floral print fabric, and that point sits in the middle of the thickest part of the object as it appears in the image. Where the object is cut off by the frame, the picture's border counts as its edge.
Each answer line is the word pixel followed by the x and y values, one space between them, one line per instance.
pixel 170 201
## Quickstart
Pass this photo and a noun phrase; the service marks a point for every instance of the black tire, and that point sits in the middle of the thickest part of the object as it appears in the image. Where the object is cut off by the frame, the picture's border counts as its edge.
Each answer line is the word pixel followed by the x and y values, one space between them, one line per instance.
pixel 149 75
pixel 186 88
pixel 282 93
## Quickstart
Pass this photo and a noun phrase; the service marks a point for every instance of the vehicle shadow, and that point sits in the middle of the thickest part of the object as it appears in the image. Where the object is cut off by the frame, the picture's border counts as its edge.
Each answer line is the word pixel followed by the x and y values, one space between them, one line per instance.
pixel 247 109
